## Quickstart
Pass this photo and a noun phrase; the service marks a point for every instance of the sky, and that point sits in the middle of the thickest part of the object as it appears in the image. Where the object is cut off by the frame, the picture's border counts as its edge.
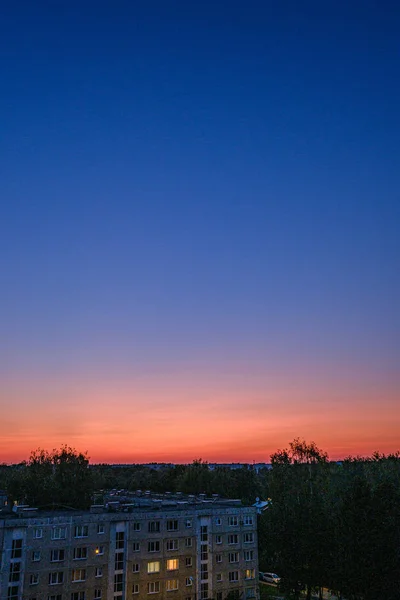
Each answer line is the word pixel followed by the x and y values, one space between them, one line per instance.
pixel 199 228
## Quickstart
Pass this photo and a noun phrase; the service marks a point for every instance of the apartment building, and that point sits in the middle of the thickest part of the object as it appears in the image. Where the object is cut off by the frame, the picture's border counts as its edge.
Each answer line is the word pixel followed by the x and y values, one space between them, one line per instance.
pixel 132 548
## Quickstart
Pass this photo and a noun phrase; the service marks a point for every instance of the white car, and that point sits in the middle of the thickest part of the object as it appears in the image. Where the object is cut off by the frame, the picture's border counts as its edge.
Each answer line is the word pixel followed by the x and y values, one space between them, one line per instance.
pixel 271 578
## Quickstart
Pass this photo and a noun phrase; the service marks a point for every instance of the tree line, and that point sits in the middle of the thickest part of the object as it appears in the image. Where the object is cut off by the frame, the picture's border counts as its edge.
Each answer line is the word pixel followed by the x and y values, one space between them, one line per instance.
pixel 327 524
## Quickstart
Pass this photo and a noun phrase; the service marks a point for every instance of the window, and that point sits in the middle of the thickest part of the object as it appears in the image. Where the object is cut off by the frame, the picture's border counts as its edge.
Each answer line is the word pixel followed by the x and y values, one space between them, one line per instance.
pixel 119 561
pixel 135 588
pixel 78 575
pixel 248 538
pixel 118 582
pixel 219 576
pixel 233 521
pixel 172 525
pixel 153 546
pixel 172 564
pixel 233 576
pixel 57 555
pixel 16 549
pixel 15 571
pixel 218 558
pixel 233 557
pixel 188 542
pixel 218 539
pixel 153 567
pixel 204 571
pixel 38 533
pixel 36 555
pixel 34 579
pixel 188 523
pixel 56 577
pixel 188 561
pixel 153 587
pixel 218 521
pixel 12 592
pixel 218 596
pixel 154 526
pixel 100 528
pixel 119 540
pixel 248 555
pixel 136 526
pixel 136 547
pixel 97 594
pixel 172 544
pixel 135 567
pixel 203 533
pixel 81 531
pixel 247 520
pixel 204 552
pixel 249 574
pixel 250 593
pixel 233 538
pixel 189 580
pixel 78 596
pixel 203 591
pixel 59 533
pixel 98 572
pixel 99 551
pixel 171 584
pixel 80 553
pixel 54 597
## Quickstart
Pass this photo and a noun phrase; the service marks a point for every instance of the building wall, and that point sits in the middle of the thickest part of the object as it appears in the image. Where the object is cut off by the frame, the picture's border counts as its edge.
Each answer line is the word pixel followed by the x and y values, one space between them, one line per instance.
pixel 191 553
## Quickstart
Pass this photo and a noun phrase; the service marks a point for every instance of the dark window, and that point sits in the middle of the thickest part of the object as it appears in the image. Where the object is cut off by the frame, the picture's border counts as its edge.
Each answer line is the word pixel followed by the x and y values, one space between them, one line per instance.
pixel 16 550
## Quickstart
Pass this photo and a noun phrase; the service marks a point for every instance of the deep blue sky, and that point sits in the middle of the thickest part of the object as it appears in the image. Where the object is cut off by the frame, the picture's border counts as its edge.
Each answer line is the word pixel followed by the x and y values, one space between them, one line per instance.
pixel 200 187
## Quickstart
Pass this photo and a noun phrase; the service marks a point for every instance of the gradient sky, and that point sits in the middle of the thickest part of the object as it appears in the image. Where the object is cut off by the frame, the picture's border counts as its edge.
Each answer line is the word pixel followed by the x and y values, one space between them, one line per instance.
pixel 199 228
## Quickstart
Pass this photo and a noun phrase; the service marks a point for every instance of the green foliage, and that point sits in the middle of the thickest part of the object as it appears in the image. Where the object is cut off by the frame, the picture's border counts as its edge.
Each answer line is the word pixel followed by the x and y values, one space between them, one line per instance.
pixel 60 478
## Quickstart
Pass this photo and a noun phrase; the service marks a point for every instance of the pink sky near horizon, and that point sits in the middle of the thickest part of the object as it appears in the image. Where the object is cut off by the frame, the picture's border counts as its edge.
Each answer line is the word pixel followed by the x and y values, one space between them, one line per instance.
pixel 216 419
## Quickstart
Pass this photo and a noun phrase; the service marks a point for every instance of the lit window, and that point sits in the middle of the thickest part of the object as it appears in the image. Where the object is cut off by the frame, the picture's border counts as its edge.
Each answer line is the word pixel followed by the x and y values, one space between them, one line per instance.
pixel 171 585
pixel 249 574
pixel 172 564
pixel 153 567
